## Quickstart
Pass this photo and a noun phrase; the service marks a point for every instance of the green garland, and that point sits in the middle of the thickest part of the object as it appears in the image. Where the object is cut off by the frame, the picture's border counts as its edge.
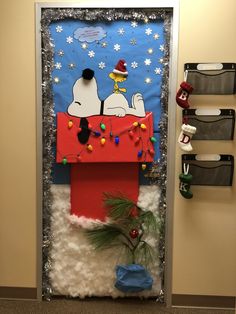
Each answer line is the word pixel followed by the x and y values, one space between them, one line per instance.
pixel 127 227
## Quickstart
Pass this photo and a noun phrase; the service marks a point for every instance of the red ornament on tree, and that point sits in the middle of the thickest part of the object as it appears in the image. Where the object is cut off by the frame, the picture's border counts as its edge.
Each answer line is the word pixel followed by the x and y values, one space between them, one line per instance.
pixel 134 233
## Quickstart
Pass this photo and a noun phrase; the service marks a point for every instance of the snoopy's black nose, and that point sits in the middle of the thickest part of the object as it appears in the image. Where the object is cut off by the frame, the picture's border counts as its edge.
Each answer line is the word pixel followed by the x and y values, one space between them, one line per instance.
pixel 88 74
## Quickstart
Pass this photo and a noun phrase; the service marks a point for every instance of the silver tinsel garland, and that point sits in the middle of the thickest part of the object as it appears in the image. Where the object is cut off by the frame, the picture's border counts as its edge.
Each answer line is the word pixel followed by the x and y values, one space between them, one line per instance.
pixel 158 170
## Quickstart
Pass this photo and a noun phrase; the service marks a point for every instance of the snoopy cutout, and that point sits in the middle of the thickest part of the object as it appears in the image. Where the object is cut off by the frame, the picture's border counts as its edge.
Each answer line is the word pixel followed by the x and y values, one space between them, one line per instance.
pixel 86 102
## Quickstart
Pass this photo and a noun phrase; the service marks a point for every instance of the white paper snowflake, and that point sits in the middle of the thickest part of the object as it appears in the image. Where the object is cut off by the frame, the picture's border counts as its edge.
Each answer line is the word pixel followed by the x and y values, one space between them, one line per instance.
pixel 148 31
pixel 69 40
pixel 157 70
pixel 148 80
pixel 84 46
pixel 116 47
pixel 59 29
pixel 56 80
pixel 71 66
pixel 60 53
pixel 58 65
pixel 156 36
pixel 91 53
pixel 134 64
pixel 133 41
pixel 101 65
pixel 104 44
pixel 162 48
pixel 134 24
pixel 121 31
pixel 147 61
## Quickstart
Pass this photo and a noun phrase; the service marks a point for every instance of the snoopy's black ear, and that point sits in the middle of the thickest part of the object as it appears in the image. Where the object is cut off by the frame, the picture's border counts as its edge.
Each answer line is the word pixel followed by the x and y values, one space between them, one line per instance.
pixel 88 74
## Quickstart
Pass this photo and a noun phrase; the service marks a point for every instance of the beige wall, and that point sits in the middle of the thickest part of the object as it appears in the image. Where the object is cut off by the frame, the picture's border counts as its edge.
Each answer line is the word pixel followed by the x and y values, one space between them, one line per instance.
pixel 204 228
pixel 204 255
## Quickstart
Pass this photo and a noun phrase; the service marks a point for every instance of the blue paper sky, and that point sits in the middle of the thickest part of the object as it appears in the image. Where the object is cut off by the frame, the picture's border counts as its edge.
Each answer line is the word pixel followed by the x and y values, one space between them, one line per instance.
pixel 99 46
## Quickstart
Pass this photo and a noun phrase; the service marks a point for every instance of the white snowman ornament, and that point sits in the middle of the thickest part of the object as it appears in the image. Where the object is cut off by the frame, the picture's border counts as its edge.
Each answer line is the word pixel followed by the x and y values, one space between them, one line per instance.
pixel 86 102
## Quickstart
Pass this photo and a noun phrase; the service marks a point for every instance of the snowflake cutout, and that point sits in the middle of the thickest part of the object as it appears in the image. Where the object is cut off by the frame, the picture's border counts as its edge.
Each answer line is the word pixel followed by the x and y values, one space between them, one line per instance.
pixel 59 29
pixel 147 61
pixel 69 40
pixel 121 31
pixel 116 47
pixel 162 48
pixel 60 53
pixel 58 65
pixel 156 36
pixel 104 44
pixel 148 80
pixel 148 31
pixel 91 54
pixel 134 24
pixel 71 66
pixel 134 64
pixel 56 80
pixel 157 70
pixel 150 51
pixel 101 65
pixel 133 41
pixel 84 46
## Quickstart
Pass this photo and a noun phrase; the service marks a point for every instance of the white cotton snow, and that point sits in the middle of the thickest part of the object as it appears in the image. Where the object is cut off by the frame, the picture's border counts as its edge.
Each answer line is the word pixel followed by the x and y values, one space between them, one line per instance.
pixel 78 270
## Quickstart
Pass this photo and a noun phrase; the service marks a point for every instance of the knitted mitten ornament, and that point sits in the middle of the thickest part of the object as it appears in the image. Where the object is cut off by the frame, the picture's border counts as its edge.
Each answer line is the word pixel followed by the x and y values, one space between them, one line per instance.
pixel 183 94
pixel 185 136
pixel 184 183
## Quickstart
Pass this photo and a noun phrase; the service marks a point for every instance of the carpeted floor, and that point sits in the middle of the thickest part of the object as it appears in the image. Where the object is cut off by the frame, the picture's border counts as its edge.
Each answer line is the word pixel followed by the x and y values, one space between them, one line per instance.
pixel 98 306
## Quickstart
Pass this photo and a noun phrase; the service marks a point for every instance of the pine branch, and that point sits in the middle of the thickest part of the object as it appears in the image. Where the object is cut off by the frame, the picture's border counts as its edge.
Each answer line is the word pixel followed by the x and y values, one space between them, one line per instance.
pixel 119 206
pixel 150 221
pixel 144 253
pixel 104 237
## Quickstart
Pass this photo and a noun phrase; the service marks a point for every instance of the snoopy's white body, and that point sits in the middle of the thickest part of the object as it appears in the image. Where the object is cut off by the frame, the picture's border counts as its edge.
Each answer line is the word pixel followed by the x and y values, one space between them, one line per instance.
pixel 87 103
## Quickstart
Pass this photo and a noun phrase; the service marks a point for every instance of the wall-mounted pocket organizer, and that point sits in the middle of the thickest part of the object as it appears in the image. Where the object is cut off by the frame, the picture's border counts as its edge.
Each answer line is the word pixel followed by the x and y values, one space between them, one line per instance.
pixel 211 124
pixel 211 78
pixel 210 169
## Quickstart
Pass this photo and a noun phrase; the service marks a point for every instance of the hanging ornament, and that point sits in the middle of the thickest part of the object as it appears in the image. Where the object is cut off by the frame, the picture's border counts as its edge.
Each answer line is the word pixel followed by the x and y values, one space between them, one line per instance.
pixel 143 126
pixel 140 153
pixel 134 233
pixel 103 141
pixel 117 140
pixel 102 126
pixel 70 124
pixel 135 124
pixel 144 166
pixel 89 147
pixel 153 139
pixel 64 161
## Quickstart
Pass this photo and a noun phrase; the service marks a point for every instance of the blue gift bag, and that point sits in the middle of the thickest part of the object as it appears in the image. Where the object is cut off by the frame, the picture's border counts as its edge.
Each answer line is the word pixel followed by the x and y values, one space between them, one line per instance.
pixel 132 278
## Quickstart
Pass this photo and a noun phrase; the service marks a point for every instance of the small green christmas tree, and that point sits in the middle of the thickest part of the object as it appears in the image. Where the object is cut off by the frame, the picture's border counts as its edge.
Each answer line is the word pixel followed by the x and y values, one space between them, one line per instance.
pixel 127 228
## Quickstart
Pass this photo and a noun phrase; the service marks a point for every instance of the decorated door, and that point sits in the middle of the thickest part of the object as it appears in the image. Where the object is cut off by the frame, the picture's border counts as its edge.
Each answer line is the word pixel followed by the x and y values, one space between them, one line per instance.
pixel 104 89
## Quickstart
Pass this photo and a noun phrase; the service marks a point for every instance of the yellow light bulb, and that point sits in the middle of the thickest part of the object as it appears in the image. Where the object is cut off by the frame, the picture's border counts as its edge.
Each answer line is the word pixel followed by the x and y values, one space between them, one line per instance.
pixel 70 124
pixel 135 123
pixel 143 126
pixel 103 141
pixel 90 147
pixel 144 166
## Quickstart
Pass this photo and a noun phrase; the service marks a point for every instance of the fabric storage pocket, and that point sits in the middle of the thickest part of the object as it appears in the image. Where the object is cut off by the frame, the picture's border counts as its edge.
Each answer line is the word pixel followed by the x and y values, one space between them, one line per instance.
pixel 211 78
pixel 210 169
pixel 211 124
